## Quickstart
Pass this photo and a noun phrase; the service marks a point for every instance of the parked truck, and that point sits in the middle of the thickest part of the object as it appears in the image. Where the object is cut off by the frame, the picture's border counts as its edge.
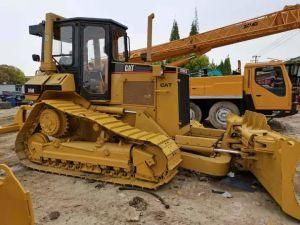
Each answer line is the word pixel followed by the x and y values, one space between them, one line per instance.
pixel 264 87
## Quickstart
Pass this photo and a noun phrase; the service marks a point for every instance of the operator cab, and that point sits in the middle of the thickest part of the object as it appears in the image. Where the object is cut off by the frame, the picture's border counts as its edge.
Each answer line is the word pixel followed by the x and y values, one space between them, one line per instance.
pixel 86 47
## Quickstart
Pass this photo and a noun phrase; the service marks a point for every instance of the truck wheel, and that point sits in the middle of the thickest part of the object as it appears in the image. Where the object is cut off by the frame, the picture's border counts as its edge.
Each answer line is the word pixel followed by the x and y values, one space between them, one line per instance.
pixel 219 111
pixel 195 112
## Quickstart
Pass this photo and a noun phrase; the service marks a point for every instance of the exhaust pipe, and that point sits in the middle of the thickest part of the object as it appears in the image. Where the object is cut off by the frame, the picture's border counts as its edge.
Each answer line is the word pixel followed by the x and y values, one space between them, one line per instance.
pixel 149 37
pixel 47 64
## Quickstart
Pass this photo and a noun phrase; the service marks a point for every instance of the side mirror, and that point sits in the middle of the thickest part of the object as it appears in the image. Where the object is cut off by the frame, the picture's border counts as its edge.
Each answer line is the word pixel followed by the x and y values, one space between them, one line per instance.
pixel 36 58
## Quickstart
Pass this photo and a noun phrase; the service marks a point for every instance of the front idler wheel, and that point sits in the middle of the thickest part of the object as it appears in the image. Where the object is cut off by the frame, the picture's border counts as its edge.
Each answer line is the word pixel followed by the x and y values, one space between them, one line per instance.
pixel 53 123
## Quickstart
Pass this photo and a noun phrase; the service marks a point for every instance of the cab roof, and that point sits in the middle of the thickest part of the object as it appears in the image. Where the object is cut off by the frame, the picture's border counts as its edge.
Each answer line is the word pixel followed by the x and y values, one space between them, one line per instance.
pixel 39 28
pixel 97 20
pixel 267 63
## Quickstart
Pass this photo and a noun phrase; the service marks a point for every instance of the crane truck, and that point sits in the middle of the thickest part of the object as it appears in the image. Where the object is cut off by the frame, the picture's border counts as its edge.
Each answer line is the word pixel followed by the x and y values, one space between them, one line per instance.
pixel 215 97
pixel 98 116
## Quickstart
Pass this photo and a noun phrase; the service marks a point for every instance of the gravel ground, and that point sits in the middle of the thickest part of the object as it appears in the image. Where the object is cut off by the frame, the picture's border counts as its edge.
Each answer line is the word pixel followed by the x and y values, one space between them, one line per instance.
pixel 64 200
pixel 289 125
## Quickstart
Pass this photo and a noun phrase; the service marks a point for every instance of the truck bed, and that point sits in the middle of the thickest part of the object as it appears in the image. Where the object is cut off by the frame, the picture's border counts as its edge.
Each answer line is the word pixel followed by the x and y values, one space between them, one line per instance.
pixel 216 87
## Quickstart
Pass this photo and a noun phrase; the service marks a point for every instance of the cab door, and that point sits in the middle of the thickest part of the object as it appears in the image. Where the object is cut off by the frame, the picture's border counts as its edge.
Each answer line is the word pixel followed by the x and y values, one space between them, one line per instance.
pixel 271 88
pixel 95 61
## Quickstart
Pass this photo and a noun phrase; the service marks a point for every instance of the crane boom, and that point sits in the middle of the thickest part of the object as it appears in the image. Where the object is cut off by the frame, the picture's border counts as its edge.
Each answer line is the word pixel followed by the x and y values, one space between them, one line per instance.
pixel 284 20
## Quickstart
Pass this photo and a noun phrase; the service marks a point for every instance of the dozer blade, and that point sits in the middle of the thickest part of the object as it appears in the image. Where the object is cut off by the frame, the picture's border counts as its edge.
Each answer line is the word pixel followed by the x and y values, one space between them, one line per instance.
pixel 272 157
pixel 19 119
pixel 15 202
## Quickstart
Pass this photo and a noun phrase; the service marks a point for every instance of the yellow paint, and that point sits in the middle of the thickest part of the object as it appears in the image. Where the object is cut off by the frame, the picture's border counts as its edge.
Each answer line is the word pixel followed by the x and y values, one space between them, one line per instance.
pixel 15 202
pixel 232 87
pixel 270 156
pixel 216 86
pixel 145 146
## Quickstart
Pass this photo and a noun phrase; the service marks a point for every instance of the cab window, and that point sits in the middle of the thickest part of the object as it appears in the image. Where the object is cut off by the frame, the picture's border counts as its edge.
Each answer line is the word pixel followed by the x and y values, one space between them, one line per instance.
pixel 119 50
pixel 271 78
pixel 63 45
pixel 95 70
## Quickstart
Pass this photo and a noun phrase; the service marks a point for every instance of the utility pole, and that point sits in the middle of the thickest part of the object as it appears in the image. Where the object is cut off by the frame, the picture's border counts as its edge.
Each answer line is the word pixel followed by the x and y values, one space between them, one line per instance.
pixel 255 58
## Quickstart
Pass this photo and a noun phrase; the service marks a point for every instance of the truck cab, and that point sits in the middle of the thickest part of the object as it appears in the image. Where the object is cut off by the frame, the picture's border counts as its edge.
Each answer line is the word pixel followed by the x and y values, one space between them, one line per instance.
pixel 268 88
pixel 264 87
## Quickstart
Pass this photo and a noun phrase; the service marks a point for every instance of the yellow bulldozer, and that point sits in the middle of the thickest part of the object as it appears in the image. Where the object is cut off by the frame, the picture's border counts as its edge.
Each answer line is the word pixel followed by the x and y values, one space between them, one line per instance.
pixel 97 116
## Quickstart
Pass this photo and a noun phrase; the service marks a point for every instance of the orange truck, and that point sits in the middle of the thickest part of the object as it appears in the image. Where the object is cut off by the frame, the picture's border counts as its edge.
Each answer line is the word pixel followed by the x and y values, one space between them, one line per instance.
pixel 216 96
pixel 264 87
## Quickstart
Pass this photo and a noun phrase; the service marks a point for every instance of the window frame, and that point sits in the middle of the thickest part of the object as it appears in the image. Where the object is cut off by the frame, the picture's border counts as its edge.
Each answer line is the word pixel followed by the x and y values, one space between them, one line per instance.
pixel 58 26
pixel 126 58
pixel 274 68
pixel 96 96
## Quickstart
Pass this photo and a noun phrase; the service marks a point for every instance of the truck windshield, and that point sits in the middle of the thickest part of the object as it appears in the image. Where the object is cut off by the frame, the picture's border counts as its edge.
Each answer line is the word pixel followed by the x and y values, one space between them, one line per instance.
pixel 63 45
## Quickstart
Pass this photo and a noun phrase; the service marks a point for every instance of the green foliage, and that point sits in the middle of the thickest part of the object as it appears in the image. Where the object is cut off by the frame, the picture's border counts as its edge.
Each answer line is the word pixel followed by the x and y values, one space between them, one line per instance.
pixel 225 66
pixel 197 64
pixel 193 29
pixel 221 66
pixel 174 36
pixel 212 65
pixel 195 24
pixel 11 75
pixel 174 32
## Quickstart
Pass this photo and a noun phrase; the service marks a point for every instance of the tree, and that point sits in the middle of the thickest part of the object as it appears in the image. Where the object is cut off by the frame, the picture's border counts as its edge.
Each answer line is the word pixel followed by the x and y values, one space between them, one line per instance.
pixel 197 64
pixel 195 24
pixel 212 65
pixel 193 29
pixel 174 36
pixel 11 75
pixel 174 32
pixel 227 66
pixel 221 67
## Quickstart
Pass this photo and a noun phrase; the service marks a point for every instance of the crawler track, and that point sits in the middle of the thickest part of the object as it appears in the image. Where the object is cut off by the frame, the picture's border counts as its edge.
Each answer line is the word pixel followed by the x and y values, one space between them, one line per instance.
pixel 78 168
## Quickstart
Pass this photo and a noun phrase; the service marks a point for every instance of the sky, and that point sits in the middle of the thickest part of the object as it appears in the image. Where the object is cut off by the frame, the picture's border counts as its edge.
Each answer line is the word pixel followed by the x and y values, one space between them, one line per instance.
pixel 17 46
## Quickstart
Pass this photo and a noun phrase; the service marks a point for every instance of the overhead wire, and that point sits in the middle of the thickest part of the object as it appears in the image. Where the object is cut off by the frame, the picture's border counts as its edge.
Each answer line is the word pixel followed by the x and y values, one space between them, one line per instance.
pixel 278 42
pixel 283 41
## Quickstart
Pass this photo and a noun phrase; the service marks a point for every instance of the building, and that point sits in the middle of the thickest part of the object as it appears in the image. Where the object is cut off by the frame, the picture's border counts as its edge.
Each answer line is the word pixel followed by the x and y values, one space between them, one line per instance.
pixel 294 60
pixel 11 88
pixel 293 68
